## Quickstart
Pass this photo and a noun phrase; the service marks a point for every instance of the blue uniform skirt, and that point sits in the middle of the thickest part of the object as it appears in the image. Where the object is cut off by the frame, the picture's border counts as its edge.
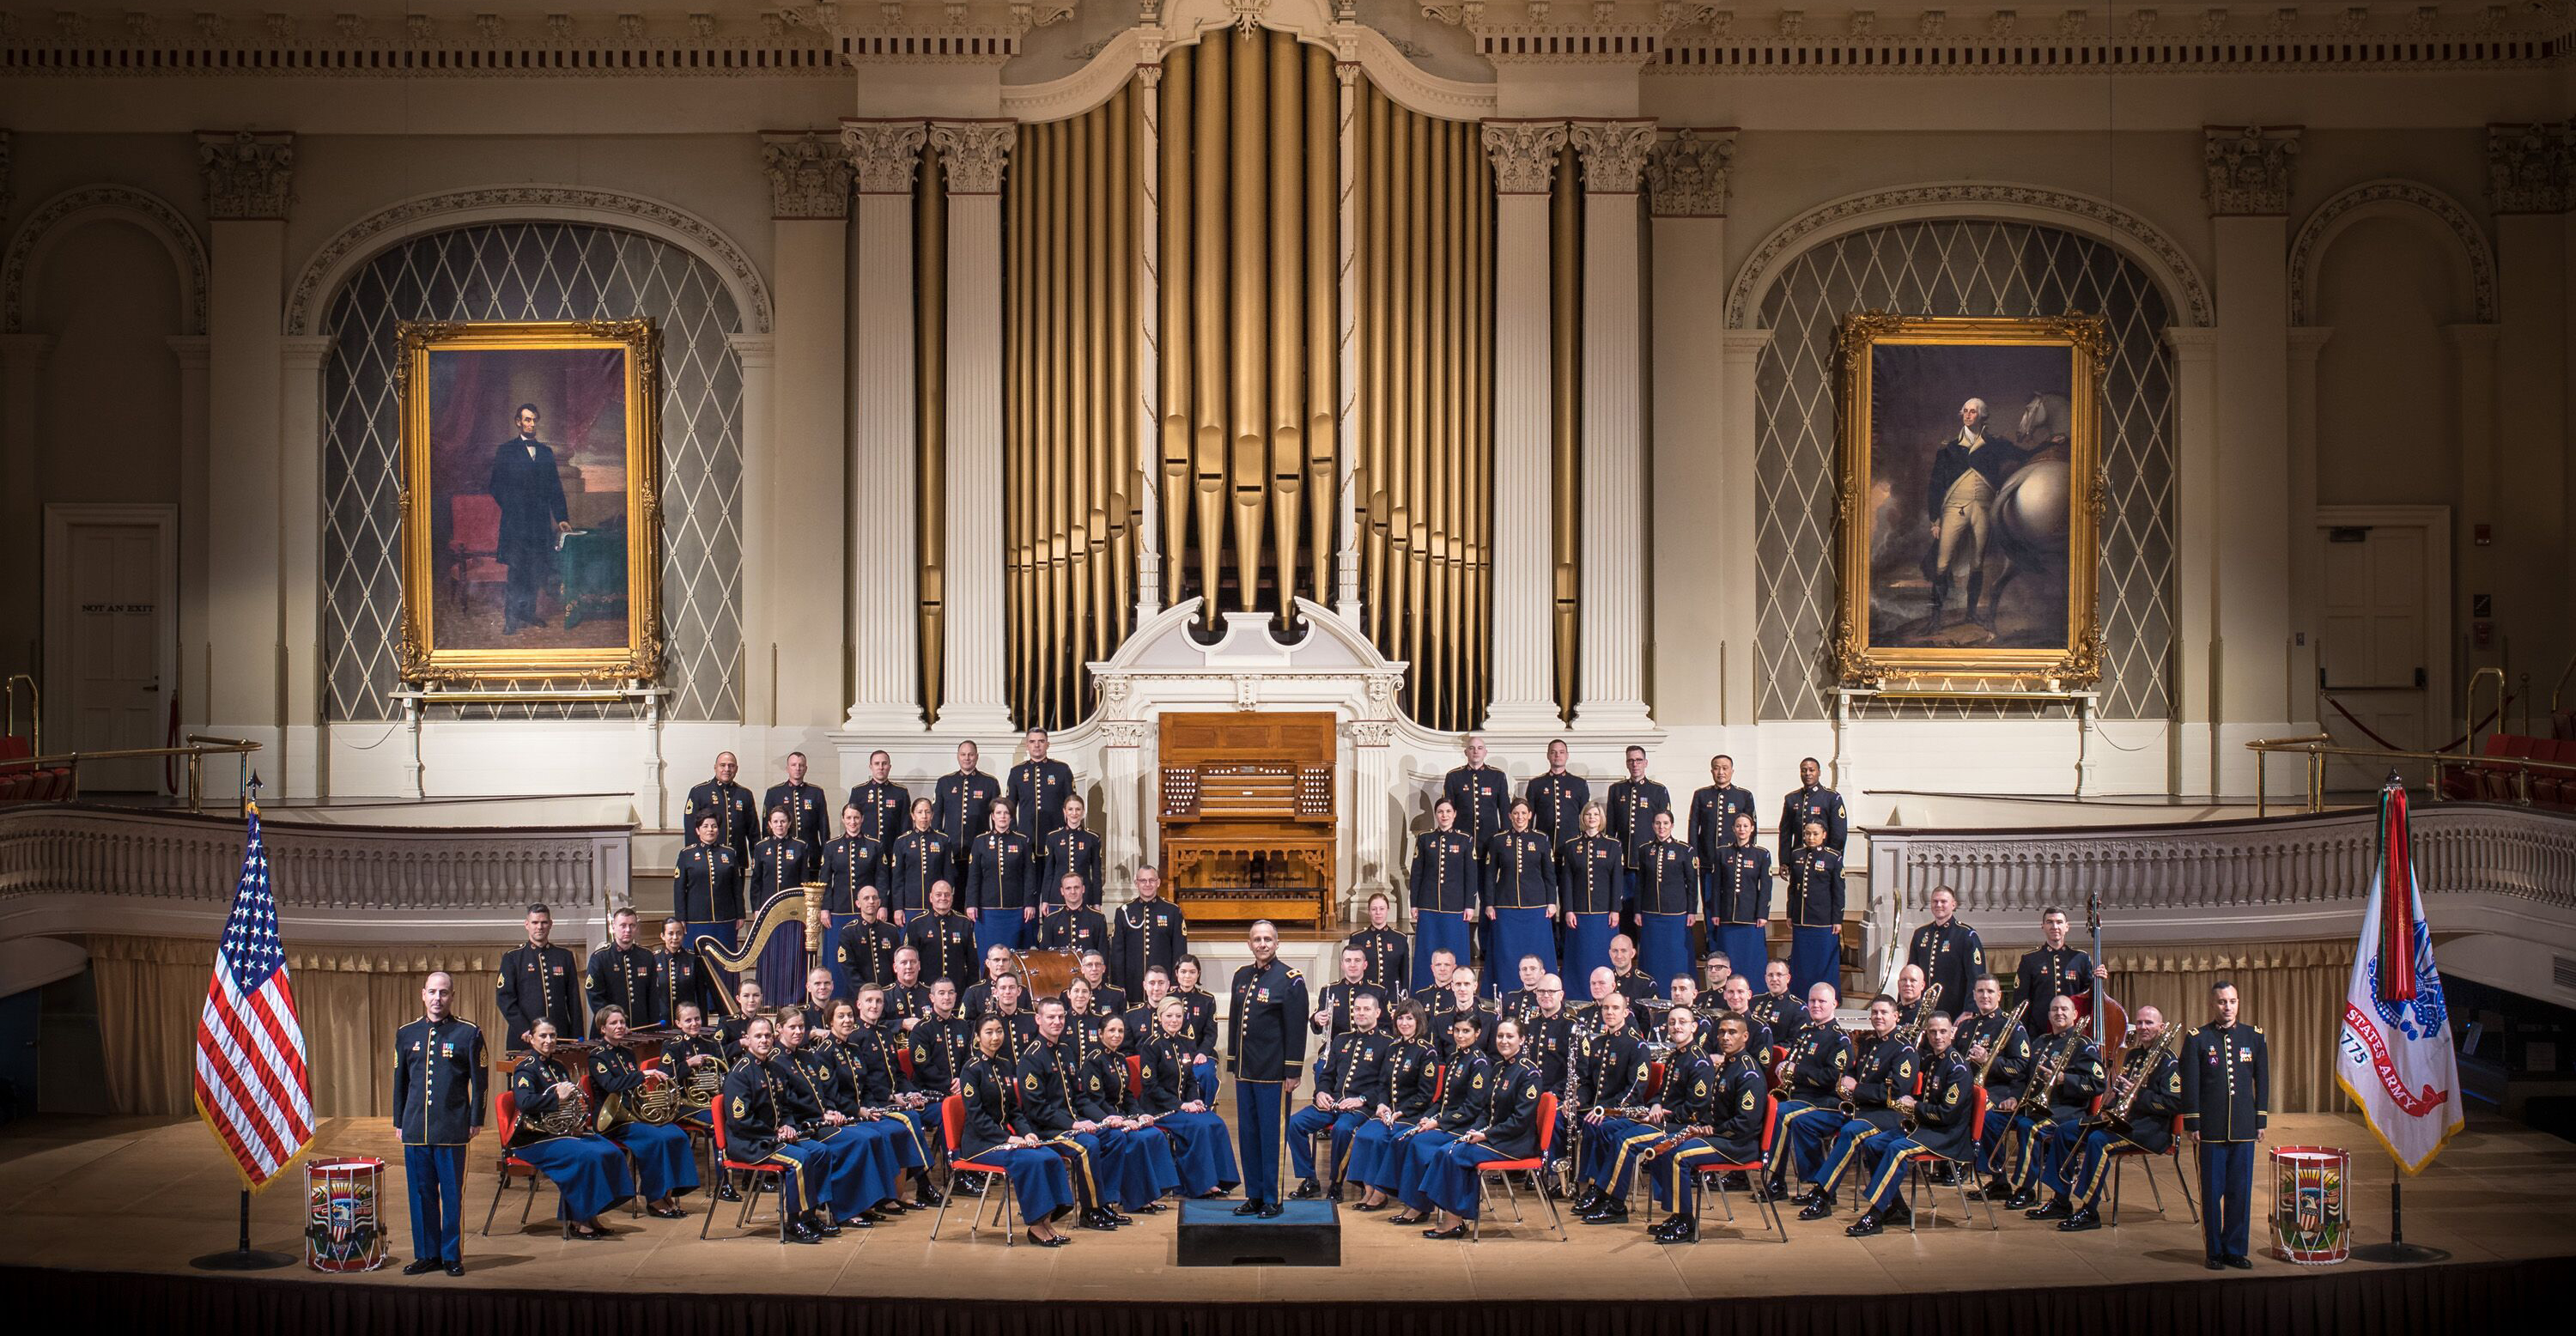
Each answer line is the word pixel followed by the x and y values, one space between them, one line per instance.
pixel 1746 948
pixel 1437 932
pixel 1420 1166
pixel 1139 1169
pixel 664 1160
pixel 1039 1180
pixel 1205 1070
pixel 1815 956
pixel 1202 1153
pixel 1449 1180
pixel 590 1170
pixel 1666 950
pixel 1587 948
pixel 999 927
pixel 1518 933
pixel 853 1173
pixel 1375 1155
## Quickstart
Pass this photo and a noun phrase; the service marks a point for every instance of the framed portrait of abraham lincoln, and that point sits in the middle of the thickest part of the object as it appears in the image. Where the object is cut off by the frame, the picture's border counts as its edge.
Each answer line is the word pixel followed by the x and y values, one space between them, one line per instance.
pixel 530 517
pixel 1971 493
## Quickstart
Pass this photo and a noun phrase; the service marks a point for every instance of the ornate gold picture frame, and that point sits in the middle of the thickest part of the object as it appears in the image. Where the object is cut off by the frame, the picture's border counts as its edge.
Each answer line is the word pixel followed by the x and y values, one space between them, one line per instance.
pixel 1971 494
pixel 531 521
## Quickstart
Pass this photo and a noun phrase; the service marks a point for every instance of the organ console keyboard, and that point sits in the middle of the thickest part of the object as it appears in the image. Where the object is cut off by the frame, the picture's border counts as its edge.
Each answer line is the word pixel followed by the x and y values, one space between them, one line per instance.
pixel 1247 820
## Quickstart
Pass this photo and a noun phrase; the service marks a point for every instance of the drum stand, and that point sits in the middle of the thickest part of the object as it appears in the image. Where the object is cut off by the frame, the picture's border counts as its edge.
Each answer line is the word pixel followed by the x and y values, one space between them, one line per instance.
pixel 242 1257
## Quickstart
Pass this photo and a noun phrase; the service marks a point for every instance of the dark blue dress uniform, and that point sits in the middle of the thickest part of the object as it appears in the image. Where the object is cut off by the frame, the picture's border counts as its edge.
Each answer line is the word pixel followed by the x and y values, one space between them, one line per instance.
pixel 1062 929
pixel 1735 889
pixel 2149 1127
pixel 961 808
pixel 1481 795
pixel 1047 1074
pixel 1815 918
pixel 1520 885
pixel 885 811
pixel 1200 1148
pixel 1038 790
pixel 1818 1058
pixel 1667 885
pixel 1143 934
pixel 1949 955
pixel 1336 1000
pixel 756 1111
pixel 1353 1066
pixel 622 977
pixel 1631 809
pixel 663 1158
pixel 1487 1013
pixel 1459 1105
pixel 2049 971
pixel 706 893
pixel 438 1108
pixel 1064 852
pixel 738 821
pixel 1712 819
pixel 1556 805
pixel 947 946
pixel 1390 958
pixel 1265 1049
pixel 997 888
pixel 1724 1097
pixel 1608 1072
pixel 1942 1128
pixel 1812 802
pixel 1783 1014
pixel 2000 1034
pixel 864 953
pixel 848 863
pixel 538 984
pixel 1509 1125
pixel 1040 1180
pixel 1592 885
pixel 589 1170
pixel 2043 1127
pixel 806 807
pixel 1412 1083
pixel 2226 1100
pixel 1139 1159
pixel 678 976
pixel 941 1047
pixel 1441 886
pixel 1884 1074
pixel 919 858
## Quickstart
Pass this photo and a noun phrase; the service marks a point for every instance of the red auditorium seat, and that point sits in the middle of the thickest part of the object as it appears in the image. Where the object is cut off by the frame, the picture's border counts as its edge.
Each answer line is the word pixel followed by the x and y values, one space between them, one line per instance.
pixel 2496 782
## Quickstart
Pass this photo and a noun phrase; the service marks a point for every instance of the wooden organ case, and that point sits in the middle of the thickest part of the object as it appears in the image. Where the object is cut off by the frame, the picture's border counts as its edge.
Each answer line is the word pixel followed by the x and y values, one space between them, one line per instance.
pixel 1247 823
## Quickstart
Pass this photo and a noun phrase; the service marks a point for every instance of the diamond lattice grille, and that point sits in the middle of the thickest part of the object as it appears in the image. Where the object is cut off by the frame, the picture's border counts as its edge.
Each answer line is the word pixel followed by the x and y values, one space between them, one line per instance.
pixel 1960 268
pixel 536 271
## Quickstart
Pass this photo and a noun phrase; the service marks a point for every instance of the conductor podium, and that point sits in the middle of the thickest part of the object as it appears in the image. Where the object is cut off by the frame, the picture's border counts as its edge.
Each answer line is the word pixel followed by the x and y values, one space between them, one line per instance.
pixel 1304 1233
pixel 1247 816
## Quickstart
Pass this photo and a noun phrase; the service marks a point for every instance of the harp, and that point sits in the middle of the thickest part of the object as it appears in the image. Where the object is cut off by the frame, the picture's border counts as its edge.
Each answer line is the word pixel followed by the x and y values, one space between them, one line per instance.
pixel 796 910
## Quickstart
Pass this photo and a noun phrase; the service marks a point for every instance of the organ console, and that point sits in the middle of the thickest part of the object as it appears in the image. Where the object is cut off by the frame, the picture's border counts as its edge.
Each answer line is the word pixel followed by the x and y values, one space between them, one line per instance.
pixel 1246 816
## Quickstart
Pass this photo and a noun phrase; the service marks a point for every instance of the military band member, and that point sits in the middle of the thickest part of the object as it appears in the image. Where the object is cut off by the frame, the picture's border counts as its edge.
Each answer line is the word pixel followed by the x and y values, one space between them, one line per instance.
pixel 1464 1076
pixel 1068 850
pixel 885 810
pixel 679 977
pixel 997 883
pixel 706 888
pixel 964 801
pixel 1684 992
pixel 1712 1113
pixel 1333 1006
pixel 737 815
pixel 1094 969
pixel 690 1051
pixel 1171 1095
pixel 1149 1160
pixel 2055 969
pixel 1557 798
pixel 438 1108
pixel 921 858
pixel 1350 1082
pixel 1550 1034
pixel 1815 877
pixel 1039 788
pixel 1735 882
pixel 780 865
pixel 1508 1129
pixel 1880 1090
pixel 807 806
pixel 1144 1015
pixel 2226 1100
pixel 1940 1131
pixel 1591 890
pixel 871 1046
pixel 1625 974
pixel 1777 1009
pixel 1463 1001
pixel 1478 793
pixel 907 998
pixel 1947 950
pixel 1201 1007
pixel 859 1171
pixel 1047 1074
pixel 943 1043
pixel 760 1128
pixel 538 982
pixel 1442 887
pixel 817 1004
pixel 620 974
pixel 2042 1119
pixel 1818 1060
pixel 1910 997
pixel 944 937
pixel 588 1170
pixel 1996 1044
pixel 659 1151
pixel 729 1030
pixel 853 860
pixel 1634 804
pixel 1667 886
pixel 1736 995
pixel 1069 924
pixel 1520 896
pixel 1412 1079
pixel 999 964
pixel 2151 1080
pixel 1389 952
pixel 1146 933
pixel 1811 801
pixel 1607 1072
pixel 1520 1002
pixel 864 947
pixel 1265 1049
pixel 1714 807
pixel 995 1130
pixel 1590 1017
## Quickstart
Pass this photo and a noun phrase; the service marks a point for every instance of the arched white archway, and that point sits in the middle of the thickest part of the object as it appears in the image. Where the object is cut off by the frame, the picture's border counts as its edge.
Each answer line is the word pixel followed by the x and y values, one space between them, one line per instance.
pixel 2134 237
pixel 67 212
pixel 361 241
pixel 2411 202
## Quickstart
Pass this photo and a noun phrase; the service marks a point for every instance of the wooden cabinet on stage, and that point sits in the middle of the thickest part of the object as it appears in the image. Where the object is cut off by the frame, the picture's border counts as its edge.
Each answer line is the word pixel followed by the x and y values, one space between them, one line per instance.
pixel 1247 816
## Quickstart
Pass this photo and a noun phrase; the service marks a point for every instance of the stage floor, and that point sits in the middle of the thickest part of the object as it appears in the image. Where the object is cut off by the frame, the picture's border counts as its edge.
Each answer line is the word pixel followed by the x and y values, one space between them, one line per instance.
pixel 136 1195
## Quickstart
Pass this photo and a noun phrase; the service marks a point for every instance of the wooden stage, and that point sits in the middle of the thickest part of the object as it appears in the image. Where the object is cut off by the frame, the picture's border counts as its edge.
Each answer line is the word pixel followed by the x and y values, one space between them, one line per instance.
pixel 108 1212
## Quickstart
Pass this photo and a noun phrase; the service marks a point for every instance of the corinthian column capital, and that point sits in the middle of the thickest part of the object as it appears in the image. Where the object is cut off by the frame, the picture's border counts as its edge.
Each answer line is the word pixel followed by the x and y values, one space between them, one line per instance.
pixel 884 154
pixel 1524 154
pixel 975 153
pixel 1614 154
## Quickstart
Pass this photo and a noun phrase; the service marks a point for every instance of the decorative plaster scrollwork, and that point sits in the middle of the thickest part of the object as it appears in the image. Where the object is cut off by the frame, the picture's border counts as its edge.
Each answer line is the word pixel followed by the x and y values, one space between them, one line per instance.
pixel 885 153
pixel 2308 248
pixel 1524 154
pixel 1613 153
pixel 1687 175
pixel 809 176
pixel 2532 168
pixel 247 175
pixel 975 154
pixel 149 211
pixel 2247 169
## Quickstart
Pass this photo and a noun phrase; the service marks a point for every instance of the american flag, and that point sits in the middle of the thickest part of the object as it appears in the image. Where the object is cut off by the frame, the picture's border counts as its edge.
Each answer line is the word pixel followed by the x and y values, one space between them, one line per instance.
pixel 252 1086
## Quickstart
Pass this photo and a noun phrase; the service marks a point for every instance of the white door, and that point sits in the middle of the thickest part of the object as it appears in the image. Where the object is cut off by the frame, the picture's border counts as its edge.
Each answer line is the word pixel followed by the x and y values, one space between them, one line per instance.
pixel 2373 652
pixel 111 639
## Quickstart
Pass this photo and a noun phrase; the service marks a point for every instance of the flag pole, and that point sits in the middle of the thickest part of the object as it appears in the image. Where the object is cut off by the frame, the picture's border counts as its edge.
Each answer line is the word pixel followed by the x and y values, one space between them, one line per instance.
pixel 243 1257
pixel 2397 900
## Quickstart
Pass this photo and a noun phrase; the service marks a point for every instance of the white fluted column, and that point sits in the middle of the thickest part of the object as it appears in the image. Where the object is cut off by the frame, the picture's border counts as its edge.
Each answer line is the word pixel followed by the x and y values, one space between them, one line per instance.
pixel 795 641
pixel 1610 680
pixel 301 771
pixel 2307 577
pixel 974 155
pixel 1687 178
pixel 885 551
pixel 1145 527
pixel 247 179
pixel 1524 687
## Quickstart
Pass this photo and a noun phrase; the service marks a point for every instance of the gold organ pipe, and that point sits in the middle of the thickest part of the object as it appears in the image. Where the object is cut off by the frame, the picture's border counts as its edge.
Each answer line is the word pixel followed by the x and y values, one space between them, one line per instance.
pixel 1286 118
pixel 1094 503
pixel 930 410
pixel 1323 322
pixel 1215 66
pixel 1405 465
pixel 1117 521
pixel 1480 347
pixel 1074 451
pixel 1437 392
pixel 1249 214
pixel 1019 452
pixel 1377 423
pixel 1565 426
pixel 1056 457
pixel 1174 291
pixel 1417 388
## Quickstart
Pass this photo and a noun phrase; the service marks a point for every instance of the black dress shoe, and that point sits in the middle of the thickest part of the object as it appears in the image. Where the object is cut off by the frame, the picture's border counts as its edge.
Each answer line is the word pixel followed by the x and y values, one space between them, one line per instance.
pixel 851 1222
pixel 1680 1229
pixel 1993 1189
pixel 1051 1241
pixel 726 1191
pixel 1149 1208
pixel 1590 1201
pixel 2241 1263
pixel 1250 1206
pixel 1333 1194
pixel 800 1232
pixel 1607 1213
pixel 2214 1263
pixel 1452 1232
pixel 456 1268
pixel 1866 1226
pixel 1271 1210
pixel 2058 1208
pixel 1307 1191
pixel 1368 1207
pixel 928 1198
pixel 1816 1210
pixel 1407 1219
pixel 2021 1201
pixel 424 1266
pixel 2088 1218
pixel 1095 1221
pixel 1739 1181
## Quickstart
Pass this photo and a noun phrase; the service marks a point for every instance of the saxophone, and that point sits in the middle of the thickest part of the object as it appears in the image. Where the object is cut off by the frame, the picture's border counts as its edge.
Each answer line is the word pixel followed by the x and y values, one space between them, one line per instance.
pixel 2115 1111
pixel 1996 1050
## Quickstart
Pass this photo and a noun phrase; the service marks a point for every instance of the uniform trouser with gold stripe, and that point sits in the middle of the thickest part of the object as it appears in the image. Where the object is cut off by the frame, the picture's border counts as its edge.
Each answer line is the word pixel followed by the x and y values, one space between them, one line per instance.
pixel 1081 1152
pixel 800 1188
pixel 1806 1131
pixel 2093 1164
pixel 1844 1153
pixel 1612 1150
pixel 2026 1157
pixel 1306 1122
pixel 1884 1156
pixel 1673 1168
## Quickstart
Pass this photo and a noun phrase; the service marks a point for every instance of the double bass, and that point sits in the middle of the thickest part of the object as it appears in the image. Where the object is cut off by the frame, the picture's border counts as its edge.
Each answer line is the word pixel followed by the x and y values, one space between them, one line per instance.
pixel 2105 1019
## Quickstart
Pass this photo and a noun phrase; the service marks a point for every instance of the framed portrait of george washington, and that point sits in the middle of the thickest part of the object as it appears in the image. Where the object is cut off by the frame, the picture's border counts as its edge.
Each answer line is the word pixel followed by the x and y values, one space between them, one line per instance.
pixel 530 523
pixel 1971 493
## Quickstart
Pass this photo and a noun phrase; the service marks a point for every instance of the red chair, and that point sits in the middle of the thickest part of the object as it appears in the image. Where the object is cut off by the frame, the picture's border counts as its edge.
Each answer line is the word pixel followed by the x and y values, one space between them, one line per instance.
pixel 505 1120
pixel 1654 1082
pixel 1771 1069
pixel 1756 1167
pixel 1528 1168
pixel 2498 783
pixel 952 1127
pixel 1136 1074
pixel 763 1177
pixel 1919 1181
pixel 474 544
pixel 2554 788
